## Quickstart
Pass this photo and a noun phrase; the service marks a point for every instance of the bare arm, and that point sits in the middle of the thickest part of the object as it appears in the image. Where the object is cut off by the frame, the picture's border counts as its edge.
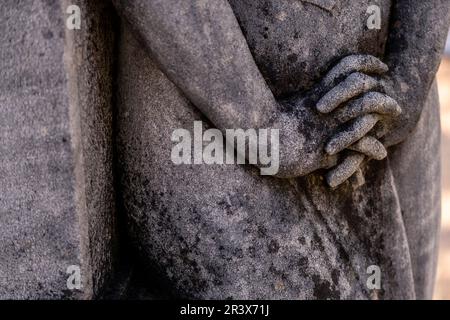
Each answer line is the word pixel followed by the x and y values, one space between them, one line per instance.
pixel 200 47
pixel 415 45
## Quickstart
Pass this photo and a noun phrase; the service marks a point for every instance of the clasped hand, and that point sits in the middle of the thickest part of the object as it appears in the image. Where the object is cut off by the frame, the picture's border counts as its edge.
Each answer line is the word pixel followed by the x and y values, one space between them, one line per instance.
pixel 337 125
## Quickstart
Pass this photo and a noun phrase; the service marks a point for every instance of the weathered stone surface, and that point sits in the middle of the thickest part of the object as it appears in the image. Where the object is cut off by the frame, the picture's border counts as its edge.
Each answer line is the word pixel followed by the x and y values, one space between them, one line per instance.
pixel 89 63
pixel 56 198
pixel 225 231
pixel 353 105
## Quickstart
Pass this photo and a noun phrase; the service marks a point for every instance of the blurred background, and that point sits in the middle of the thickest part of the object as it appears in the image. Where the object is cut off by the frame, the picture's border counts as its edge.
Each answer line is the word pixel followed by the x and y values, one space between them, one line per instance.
pixel 442 288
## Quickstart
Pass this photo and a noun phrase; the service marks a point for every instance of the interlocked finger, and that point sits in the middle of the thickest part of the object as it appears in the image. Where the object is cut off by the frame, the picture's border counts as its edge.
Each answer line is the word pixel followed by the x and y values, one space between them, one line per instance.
pixel 371 102
pixel 353 86
pixel 354 132
pixel 354 63
pixel 371 147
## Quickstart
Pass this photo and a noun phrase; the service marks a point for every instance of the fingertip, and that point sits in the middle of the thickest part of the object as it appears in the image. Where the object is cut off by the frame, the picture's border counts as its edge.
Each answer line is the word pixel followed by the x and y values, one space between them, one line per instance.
pixel 392 106
pixel 324 105
pixel 379 65
pixel 332 182
pixel 379 154
pixel 384 67
pixel 398 109
pixel 382 156
pixel 331 148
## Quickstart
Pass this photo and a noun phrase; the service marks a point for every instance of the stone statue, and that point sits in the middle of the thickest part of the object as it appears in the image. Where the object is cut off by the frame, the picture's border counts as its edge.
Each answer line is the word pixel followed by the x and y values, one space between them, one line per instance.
pixel 314 70
pixel 353 211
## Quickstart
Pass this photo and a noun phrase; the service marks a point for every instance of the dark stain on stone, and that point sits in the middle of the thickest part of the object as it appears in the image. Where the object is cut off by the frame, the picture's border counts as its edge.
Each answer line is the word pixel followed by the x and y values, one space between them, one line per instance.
pixel 302 240
pixel 303 263
pixel 262 232
pixel 323 289
pixel 318 242
pixel 273 246
pixel 292 58
pixel 47 34
pixel 335 276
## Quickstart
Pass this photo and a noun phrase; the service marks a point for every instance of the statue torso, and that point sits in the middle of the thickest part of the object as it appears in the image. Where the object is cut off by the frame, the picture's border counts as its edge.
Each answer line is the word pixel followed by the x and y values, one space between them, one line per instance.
pixel 224 231
pixel 295 41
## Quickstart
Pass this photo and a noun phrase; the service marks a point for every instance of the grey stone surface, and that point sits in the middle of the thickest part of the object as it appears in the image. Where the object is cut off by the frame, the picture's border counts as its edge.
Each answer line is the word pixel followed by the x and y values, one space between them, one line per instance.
pixel 56 199
pixel 359 173
pixel 225 231
pixel 90 66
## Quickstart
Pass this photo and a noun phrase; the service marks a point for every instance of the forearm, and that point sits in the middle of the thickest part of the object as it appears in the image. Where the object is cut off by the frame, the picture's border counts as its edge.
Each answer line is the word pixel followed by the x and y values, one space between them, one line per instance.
pixel 200 47
pixel 414 49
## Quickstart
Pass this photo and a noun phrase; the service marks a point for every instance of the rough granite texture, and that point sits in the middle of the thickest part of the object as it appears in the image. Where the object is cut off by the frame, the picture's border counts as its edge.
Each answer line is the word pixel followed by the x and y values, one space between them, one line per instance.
pixel 56 198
